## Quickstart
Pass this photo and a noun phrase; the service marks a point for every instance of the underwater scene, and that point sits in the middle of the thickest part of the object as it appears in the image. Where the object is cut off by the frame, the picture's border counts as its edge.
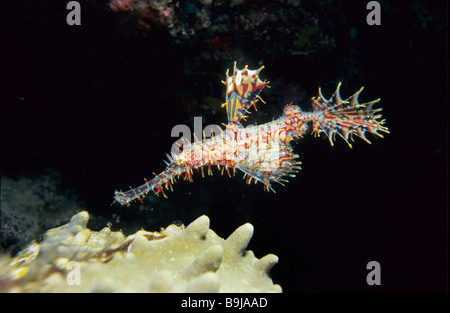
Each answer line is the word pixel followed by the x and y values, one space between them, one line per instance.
pixel 231 146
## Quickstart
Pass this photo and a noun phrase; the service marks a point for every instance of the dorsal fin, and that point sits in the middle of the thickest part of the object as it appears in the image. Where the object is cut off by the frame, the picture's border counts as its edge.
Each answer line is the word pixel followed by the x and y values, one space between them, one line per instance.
pixel 243 89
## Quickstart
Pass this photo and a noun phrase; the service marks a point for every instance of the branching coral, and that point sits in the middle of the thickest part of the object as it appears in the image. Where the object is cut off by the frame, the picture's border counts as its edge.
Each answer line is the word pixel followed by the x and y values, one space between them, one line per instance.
pixel 177 259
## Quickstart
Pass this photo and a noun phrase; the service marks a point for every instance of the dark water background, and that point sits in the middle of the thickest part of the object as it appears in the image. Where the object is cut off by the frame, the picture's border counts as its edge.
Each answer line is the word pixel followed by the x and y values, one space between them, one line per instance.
pixel 97 103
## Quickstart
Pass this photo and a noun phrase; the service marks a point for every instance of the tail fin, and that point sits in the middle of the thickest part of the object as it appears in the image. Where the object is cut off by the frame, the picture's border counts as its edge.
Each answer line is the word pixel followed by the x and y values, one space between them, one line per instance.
pixel 347 117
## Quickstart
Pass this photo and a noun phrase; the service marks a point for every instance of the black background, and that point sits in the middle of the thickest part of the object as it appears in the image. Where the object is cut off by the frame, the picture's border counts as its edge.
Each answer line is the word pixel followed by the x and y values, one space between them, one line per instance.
pixel 97 103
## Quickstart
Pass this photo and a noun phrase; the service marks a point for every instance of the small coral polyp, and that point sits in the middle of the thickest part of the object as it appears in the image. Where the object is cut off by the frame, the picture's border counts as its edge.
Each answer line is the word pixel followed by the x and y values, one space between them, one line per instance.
pixel 177 259
pixel 264 152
